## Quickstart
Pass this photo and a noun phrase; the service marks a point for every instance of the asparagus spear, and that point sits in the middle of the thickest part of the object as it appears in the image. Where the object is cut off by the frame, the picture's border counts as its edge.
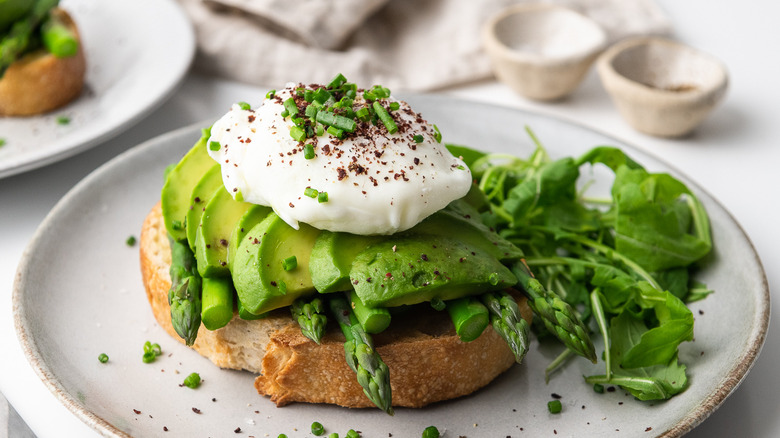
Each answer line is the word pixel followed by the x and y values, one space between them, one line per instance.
pixel 507 322
pixel 310 317
pixel 374 320
pixel 372 372
pixel 469 317
pixel 58 38
pixel 184 295
pixel 18 38
pixel 247 315
pixel 217 302
pixel 557 315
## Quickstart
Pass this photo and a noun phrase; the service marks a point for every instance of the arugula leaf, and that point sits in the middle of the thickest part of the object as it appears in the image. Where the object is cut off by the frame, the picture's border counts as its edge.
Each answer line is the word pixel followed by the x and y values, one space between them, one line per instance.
pixel 658 382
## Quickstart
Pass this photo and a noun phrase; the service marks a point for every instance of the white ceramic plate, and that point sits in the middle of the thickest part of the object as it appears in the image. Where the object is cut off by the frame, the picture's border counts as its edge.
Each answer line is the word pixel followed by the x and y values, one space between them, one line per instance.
pixel 137 53
pixel 78 293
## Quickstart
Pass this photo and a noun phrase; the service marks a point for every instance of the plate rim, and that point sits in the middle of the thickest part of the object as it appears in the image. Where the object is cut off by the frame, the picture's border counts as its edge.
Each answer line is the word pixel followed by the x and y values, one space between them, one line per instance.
pixel 705 407
pixel 26 163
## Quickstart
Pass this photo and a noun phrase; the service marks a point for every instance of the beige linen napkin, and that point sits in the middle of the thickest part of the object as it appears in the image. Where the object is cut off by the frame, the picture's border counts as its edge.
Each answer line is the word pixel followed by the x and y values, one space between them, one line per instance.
pixel 402 44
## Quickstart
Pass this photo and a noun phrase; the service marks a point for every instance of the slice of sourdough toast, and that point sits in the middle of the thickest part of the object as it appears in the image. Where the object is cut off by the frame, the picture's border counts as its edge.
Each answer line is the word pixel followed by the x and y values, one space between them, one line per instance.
pixel 427 361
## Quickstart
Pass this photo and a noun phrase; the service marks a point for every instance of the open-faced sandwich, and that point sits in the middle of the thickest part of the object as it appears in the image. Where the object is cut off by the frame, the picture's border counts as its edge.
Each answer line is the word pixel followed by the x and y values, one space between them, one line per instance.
pixel 329 241
pixel 42 64
pixel 333 220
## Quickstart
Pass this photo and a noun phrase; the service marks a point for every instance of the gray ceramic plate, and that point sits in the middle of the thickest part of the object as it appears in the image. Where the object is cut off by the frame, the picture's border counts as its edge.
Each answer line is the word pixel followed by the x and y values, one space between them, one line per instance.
pixel 129 73
pixel 78 294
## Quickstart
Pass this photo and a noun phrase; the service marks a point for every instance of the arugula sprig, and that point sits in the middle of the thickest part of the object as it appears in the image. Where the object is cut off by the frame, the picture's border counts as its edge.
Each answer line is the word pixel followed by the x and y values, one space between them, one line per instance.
pixel 625 263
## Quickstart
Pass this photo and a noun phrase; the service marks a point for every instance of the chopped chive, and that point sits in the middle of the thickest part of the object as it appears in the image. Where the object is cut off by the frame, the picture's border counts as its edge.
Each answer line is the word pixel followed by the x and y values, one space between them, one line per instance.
pixel 351 93
pixel 385 118
pixel 338 81
pixel 284 114
pixel 321 95
pixel 310 192
pixel 244 106
pixel 299 91
pixel 395 106
pixel 130 241
pixel 369 95
pixel 336 132
pixel 149 357
pixel 418 138
pixel 554 406
pixel 192 381
pixel 380 92
pixel 322 197
pixel 308 151
pixel 430 432
pixel 333 435
pixel 270 94
pixel 363 114
pixel 317 429
pixel 290 106
pixel 214 145
pixel 437 134
pixel 311 112
pixel 176 224
pixel 297 133
pixel 599 388
pixel 282 435
pixel 103 358
pixel 308 95
pixel 340 122
pixel 282 287
pixel 290 263
pixel 63 120
pixel 438 304
pixel 352 434
pixel 319 129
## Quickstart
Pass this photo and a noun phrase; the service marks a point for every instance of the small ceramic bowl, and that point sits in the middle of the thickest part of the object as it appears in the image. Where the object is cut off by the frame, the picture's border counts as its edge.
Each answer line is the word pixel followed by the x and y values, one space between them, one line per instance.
pixel 542 51
pixel 661 87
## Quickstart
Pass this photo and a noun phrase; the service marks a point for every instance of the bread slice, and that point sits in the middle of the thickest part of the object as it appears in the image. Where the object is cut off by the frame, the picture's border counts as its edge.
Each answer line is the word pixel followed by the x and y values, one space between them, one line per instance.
pixel 427 361
pixel 40 82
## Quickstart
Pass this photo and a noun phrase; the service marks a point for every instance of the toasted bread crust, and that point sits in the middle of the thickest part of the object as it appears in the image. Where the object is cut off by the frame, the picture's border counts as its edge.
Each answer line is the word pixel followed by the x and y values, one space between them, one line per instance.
pixel 40 82
pixel 427 361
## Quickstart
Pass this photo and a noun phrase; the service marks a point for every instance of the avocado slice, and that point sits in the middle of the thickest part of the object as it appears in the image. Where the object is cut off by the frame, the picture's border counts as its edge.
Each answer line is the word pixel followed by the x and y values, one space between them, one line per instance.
pixel 201 194
pixel 178 186
pixel 462 222
pixel 331 259
pixel 253 216
pixel 216 227
pixel 415 268
pixel 261 282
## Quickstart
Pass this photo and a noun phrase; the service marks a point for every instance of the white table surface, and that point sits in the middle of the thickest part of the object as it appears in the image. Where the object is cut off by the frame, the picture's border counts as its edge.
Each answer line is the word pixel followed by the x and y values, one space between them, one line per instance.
pixel 735 155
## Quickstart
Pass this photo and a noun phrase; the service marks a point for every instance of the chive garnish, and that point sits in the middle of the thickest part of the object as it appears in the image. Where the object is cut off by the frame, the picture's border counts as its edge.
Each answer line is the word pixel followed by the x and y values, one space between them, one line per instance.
pixel 192 381
pixel 308 95
pixel 130 241
pixel 385 118
pixel 151 351
pixel 437 134
pixel 291 107
pixel 308 151
pixel 270 94
pixel 438 304
pixel 297 133
pixel 284 114
pixel 290 263
pixel 418 138
pixel 310 192
pixel 319 130
pixel 340 122
pixel 599 388
pixel 322 197
pixel 430 432
pixel 214 145
pixel 63 120
pixel 554 406
pixel 103 358
pixel 321 95
pixel 2 142
pixel 338 81
pixel 363 114
pixel 311 112
pixel 336 132
pixel 352 434
pixel 244 106
pixel 394 106
pixel 317 429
